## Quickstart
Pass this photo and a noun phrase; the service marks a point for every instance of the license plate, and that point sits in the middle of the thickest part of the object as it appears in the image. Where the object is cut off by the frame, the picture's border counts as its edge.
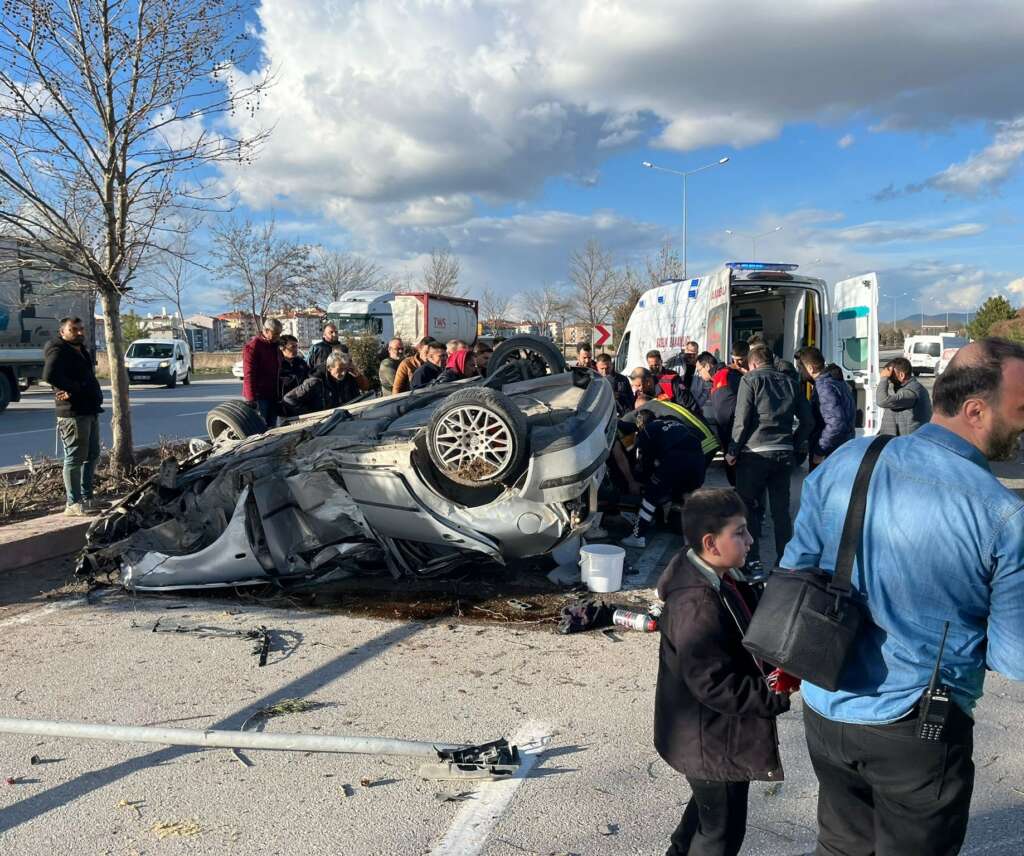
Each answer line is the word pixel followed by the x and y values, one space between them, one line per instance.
pixel 140 377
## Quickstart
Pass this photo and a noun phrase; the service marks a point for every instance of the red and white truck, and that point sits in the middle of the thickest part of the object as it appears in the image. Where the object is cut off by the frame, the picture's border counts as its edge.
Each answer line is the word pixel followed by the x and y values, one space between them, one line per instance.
pixel 408 315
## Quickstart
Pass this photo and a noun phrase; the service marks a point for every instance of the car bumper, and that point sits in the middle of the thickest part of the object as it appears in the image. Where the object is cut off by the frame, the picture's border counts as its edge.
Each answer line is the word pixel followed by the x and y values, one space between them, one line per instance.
pixel 149 376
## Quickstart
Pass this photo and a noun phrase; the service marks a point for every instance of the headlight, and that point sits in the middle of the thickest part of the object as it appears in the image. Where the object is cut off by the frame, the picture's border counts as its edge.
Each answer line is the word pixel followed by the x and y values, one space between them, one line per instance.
pixel 165 364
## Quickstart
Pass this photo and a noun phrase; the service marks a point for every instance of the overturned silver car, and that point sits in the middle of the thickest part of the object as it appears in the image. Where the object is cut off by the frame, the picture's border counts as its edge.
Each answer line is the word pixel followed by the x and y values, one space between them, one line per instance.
pixel 498 468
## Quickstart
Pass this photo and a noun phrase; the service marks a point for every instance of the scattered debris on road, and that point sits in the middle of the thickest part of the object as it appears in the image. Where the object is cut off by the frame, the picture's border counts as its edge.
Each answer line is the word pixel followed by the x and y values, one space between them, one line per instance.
pixel 176 829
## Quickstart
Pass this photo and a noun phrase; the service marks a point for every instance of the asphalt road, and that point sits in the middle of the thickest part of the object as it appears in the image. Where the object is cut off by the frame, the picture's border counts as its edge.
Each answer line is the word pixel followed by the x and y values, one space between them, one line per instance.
pixel 29 427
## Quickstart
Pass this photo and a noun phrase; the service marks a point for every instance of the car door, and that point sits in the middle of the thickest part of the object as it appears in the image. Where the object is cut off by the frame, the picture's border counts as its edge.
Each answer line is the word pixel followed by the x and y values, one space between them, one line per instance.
pixel 853 309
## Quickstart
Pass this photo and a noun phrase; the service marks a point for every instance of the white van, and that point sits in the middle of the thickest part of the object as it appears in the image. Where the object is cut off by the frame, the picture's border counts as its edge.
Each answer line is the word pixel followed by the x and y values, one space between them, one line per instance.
pixel 159 361
pixel 791 311
pixel 925 352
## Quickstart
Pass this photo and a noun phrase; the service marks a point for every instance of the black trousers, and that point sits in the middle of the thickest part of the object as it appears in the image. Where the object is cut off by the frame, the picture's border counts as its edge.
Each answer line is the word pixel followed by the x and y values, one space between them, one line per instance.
pixel 885 792
pixel 756 475
pixel 714 821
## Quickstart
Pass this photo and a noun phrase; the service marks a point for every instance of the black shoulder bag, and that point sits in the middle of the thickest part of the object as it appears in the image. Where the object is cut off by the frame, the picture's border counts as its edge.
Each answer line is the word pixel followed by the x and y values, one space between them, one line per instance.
pixel 807 619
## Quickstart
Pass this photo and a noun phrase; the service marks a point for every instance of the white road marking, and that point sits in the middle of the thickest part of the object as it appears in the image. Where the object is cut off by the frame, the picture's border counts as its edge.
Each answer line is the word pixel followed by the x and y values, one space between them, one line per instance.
pixel 477 818
pixel 33 431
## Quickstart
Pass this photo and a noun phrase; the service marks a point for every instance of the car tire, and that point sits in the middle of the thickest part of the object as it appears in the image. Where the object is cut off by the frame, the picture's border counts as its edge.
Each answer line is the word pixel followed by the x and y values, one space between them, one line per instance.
pixel 6 393
pixel 478 437
pixel 535 356
pixel 234 420
pixel 185 381
pixel 173 382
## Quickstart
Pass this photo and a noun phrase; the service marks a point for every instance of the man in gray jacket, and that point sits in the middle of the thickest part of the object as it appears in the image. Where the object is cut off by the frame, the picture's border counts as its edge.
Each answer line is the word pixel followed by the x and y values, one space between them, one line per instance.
pixel 905 401
pixel 770 433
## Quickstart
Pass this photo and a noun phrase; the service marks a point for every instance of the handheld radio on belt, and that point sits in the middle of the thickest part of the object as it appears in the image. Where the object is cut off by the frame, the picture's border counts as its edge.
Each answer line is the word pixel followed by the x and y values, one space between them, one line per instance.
pixel 935 702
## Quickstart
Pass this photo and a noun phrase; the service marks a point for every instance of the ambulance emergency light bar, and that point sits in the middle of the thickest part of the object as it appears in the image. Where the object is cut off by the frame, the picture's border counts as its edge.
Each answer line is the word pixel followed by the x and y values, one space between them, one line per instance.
pixel 760 266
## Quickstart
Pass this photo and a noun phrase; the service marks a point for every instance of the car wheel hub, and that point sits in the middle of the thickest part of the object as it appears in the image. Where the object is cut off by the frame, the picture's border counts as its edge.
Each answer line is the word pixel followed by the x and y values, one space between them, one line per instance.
pixel 474 442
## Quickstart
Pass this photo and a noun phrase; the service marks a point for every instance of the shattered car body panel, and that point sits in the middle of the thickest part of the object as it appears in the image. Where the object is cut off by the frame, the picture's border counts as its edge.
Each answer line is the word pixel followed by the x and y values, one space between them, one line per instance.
pixel 357 484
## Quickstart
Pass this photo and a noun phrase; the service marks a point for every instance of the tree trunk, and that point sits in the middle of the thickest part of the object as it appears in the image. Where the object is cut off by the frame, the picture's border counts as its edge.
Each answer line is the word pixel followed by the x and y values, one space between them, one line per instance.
pixel 122 453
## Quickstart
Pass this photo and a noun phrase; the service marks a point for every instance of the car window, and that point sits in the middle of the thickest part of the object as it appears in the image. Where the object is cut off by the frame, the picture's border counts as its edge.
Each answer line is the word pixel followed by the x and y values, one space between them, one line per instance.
pixel 932 349
pixel 149 350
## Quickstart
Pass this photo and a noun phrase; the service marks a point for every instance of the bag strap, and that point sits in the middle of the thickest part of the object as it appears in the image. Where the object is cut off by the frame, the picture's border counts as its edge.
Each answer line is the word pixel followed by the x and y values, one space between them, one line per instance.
pixel 855 514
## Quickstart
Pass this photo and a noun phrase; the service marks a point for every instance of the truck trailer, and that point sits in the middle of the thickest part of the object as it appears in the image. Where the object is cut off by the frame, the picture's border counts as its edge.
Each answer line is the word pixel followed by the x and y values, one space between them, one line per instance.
pixel 408 315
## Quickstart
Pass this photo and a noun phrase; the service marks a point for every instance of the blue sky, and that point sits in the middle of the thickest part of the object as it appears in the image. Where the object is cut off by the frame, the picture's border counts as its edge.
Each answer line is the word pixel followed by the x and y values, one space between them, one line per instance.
pixel 880 136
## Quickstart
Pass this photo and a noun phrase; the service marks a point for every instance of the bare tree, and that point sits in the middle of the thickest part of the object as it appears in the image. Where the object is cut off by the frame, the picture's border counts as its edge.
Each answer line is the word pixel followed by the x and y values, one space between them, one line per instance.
pixel 633 288
pixel 493 306
pixel 172 272
pixel 441 273
pixel 263 270
pixel 665 265
pixel 105 114
pixel 335 273
pixel 597 287
pixel 545 307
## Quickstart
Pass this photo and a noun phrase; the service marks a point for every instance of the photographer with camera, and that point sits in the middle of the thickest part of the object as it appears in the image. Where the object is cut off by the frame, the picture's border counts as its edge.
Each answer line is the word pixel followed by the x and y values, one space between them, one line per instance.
pixel 892 744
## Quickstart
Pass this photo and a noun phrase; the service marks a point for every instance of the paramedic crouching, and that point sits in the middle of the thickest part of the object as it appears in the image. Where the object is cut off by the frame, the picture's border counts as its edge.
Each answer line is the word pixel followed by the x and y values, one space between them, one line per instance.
pixel 669 462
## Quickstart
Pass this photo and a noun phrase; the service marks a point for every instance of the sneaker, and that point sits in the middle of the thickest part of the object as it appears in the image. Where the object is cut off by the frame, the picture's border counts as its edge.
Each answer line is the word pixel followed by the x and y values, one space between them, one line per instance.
pixel 634 541
pixel 76 509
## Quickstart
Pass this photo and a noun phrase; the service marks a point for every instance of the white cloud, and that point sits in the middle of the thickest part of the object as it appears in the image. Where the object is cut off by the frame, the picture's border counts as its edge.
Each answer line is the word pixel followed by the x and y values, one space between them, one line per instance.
pixel 1016 286
pixel 984 171
pixel 887 231
pixel 390 104
pixel 846 141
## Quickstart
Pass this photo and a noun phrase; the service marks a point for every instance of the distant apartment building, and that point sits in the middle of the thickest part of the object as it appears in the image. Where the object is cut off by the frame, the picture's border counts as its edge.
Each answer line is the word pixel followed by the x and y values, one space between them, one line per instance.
pixel 498 327
pixel 205 332
pixel 238 328
pixel 306 325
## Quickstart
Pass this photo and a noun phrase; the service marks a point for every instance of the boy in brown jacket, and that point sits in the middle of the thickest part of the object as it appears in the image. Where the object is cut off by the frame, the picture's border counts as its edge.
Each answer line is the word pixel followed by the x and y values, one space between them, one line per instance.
pixel 715 705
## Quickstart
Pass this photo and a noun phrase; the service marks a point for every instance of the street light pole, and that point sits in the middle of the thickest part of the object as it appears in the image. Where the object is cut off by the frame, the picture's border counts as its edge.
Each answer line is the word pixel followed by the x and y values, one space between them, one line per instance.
pixel 754 238
pixel 685 175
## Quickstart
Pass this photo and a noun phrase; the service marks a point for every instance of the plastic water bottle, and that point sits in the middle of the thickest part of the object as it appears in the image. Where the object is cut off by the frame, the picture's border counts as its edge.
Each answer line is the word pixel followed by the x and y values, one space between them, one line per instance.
pixel 635 620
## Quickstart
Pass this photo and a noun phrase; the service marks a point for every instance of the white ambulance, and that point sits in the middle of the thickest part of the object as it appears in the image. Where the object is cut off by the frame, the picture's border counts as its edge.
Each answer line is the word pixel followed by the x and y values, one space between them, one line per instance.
pixel 789 310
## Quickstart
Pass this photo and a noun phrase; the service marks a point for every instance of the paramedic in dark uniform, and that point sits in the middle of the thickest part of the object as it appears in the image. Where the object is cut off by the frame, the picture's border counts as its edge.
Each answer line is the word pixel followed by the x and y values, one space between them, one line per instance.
pixel 669 461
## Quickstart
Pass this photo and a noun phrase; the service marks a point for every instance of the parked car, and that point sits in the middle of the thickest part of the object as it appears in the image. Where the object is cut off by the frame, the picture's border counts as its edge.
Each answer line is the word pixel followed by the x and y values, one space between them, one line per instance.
pixel 924 352
pixel 237 370
pixel 498 468
pixel 160 361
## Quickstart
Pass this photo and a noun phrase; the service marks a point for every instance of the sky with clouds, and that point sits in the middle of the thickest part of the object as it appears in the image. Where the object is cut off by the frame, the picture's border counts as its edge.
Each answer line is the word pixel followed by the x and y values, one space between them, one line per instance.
pixel 879 136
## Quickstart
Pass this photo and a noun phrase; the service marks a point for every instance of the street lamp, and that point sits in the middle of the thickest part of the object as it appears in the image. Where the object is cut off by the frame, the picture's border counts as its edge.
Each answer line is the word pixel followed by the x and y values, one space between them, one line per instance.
pixel 685 175
pixel 754 238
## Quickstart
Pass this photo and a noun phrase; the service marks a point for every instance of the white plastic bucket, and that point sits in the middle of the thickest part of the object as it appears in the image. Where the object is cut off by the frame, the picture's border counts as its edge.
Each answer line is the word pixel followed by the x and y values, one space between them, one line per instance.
pixel 601 567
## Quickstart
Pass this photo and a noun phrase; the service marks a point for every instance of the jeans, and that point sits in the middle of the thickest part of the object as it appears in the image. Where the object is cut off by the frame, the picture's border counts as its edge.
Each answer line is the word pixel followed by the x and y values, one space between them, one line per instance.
pixel 81 438
pixel 268 409
pixel 757 473
pixel 885 792
pixel 714 822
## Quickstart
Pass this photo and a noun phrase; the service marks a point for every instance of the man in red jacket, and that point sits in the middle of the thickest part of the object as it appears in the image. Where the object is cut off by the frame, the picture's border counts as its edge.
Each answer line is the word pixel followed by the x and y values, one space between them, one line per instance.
pixel 261 371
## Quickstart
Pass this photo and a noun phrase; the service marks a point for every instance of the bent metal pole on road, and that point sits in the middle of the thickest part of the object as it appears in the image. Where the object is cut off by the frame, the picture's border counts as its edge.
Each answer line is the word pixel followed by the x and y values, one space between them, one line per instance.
pixel 226 739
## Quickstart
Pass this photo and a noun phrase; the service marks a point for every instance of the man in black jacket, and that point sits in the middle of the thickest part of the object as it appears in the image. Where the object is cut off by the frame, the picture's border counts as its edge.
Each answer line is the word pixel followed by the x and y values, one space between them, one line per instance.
pixel 432 368
pixel 621 388
pixel 336 384
pixel 294 368
pixel 766 444
pixel 320 351
pixel 68 368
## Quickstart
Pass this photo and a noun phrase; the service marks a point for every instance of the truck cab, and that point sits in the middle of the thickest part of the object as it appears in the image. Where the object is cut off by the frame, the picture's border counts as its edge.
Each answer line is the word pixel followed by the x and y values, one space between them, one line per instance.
pixel 788 309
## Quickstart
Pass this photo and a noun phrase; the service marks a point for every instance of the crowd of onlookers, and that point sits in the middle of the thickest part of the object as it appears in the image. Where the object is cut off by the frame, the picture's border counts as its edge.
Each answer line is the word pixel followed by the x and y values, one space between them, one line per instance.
pixel 278 381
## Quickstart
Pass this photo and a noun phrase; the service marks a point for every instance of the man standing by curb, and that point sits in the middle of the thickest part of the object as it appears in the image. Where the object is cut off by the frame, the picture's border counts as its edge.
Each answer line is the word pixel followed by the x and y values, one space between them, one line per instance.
pixel 887 785
pixel 68 368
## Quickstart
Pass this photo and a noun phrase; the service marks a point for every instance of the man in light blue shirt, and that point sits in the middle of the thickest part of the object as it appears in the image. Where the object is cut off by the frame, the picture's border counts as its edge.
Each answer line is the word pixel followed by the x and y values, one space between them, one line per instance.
pixel 943 541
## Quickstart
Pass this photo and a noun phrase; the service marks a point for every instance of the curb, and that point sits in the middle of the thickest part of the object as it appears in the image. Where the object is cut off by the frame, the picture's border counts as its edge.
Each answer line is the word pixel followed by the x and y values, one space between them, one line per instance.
pixel 41 539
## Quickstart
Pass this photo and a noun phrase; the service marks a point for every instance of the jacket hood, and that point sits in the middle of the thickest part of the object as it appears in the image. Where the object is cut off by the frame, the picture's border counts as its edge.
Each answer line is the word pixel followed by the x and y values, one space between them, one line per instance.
pixel 680 574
